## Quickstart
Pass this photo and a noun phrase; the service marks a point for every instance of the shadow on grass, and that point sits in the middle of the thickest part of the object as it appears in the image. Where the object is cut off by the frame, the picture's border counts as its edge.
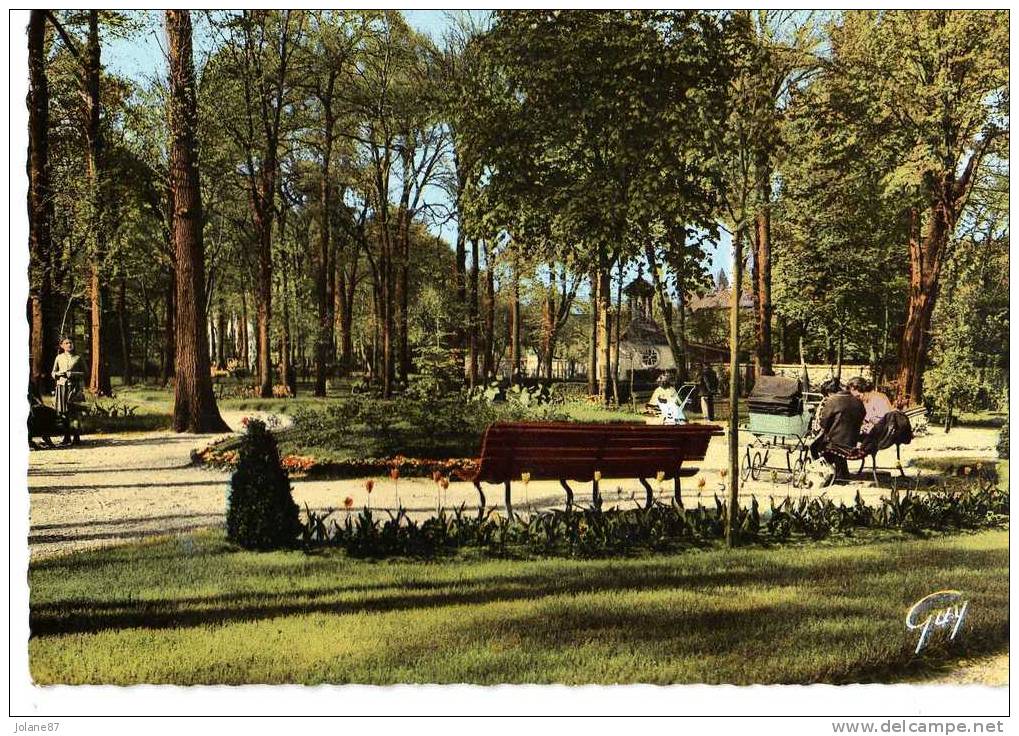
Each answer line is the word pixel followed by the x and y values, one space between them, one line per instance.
pixel 829 577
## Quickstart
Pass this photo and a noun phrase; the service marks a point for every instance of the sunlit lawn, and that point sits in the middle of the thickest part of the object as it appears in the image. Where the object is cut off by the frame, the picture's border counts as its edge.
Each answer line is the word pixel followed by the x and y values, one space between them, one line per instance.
pixel 194 610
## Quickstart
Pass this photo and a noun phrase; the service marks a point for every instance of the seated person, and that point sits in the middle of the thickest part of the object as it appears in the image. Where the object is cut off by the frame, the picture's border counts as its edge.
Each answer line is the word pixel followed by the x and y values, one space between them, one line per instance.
pixel 841 417
pixel 666 400
pixel 876 404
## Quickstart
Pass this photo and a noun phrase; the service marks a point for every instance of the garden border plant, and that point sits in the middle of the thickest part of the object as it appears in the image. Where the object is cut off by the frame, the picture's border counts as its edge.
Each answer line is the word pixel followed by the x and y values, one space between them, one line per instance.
pixel 969 502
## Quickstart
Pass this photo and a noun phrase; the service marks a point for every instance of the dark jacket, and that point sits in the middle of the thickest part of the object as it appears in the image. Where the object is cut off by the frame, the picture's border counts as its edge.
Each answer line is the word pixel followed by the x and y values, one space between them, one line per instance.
pixel 893 429
pixel 709 382
pixel 841 418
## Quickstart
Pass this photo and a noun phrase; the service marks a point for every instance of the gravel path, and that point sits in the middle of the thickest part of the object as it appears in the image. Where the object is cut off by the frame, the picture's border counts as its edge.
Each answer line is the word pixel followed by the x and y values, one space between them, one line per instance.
pixel 991 671
pixel 122 487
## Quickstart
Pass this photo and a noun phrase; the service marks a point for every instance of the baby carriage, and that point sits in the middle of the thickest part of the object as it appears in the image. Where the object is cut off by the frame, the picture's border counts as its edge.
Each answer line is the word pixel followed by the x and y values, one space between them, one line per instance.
pixel 781 418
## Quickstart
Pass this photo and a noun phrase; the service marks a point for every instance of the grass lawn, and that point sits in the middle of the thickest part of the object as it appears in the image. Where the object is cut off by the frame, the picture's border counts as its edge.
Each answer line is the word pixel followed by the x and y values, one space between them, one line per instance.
pixel 192 610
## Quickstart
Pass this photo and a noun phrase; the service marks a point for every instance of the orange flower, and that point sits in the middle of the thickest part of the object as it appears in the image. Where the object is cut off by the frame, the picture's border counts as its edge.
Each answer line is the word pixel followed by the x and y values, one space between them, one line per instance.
pixel 394 473
pixel 436 475
pixel 444 483
pixel 723 472
pixel 369 485
pixel 348 502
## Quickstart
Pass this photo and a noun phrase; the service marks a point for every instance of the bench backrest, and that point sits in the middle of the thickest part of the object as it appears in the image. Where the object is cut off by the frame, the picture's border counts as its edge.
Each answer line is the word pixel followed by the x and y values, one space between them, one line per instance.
pixel 572 451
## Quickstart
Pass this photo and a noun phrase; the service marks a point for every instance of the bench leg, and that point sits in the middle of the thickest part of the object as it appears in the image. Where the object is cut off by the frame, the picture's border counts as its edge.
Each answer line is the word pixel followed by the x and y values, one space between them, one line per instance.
pixel 595 495
pixel 676 488
pixel 481 499
pixel 649 492
pixel 898 462
pixel 509 502
pixel 569 493
pixel 873 469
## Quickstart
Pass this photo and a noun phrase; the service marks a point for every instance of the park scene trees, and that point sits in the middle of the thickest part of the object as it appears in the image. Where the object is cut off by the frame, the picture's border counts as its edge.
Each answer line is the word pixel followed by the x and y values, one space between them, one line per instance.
pixel 347 242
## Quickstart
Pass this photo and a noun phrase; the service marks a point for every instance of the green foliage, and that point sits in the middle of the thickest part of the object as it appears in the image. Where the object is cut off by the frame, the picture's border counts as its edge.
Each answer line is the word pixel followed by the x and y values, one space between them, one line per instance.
pixel 261 513
pixel 969 502
pixel 438 373
pixel 1002 446
pixel 437 427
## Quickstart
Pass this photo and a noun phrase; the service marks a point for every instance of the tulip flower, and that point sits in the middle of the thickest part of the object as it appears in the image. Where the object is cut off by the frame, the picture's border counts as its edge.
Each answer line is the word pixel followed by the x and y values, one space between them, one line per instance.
pixel 394 473
pixel 348 502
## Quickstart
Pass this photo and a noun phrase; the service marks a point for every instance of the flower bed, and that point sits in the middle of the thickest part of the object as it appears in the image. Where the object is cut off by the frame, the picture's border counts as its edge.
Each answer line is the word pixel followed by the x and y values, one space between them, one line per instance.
pixel 225 458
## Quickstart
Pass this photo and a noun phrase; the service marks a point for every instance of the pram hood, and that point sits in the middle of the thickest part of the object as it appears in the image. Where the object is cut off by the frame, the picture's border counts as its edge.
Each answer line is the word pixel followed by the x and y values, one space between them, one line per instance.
pixel 775 389
pixel 775 395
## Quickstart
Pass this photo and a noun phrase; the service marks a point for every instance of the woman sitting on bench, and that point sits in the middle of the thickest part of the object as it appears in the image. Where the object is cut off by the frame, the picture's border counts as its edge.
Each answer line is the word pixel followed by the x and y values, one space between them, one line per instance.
pixel 666 400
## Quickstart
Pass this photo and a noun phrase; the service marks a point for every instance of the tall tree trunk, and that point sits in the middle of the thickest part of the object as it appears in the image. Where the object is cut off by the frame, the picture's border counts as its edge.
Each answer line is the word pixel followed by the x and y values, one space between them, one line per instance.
pixel 925 255
pixel 146 327
pixel 325 265
pixel 42 337
pixel 263 290
pixel 99 376
pixel 618 334
pixel 169 333
pixel 548 324
pixel 460 267
pixel 221 329
pixel 213 332
pixel 592 354
pixel 762 275
pixel 488 360
pixel 604 326
pixel 678 349
pixel 125 335
pixel 242 332
pixel 194 405
pixel 515 351
pixel 347 290
pixel 472 318
pixel 734 379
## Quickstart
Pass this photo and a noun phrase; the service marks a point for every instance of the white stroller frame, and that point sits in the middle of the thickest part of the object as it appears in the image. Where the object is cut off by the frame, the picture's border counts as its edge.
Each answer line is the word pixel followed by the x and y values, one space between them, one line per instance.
pixel 683 394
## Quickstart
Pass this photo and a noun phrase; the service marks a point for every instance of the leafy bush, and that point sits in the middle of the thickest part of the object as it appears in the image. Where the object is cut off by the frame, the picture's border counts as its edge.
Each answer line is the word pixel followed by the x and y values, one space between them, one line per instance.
pixel 261 513
pixel 438 427
pixel 437 374
pixel 1003 441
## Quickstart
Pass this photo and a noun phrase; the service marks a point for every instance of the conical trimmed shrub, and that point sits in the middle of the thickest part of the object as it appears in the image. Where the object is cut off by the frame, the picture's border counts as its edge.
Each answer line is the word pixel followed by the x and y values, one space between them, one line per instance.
pixel 261 513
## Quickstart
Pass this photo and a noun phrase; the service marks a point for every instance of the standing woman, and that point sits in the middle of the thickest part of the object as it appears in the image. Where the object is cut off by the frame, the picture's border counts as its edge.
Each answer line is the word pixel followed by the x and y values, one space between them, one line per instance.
pixel 67 371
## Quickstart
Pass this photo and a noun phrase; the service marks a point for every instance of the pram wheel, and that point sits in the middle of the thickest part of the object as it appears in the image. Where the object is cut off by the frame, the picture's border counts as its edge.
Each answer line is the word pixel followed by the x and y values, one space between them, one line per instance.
pixel 755 467
pixel 799 479
pixel 744 466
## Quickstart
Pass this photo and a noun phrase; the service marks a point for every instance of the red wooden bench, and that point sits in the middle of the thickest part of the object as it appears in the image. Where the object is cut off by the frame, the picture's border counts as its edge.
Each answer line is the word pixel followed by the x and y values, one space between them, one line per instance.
pixel 566 451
